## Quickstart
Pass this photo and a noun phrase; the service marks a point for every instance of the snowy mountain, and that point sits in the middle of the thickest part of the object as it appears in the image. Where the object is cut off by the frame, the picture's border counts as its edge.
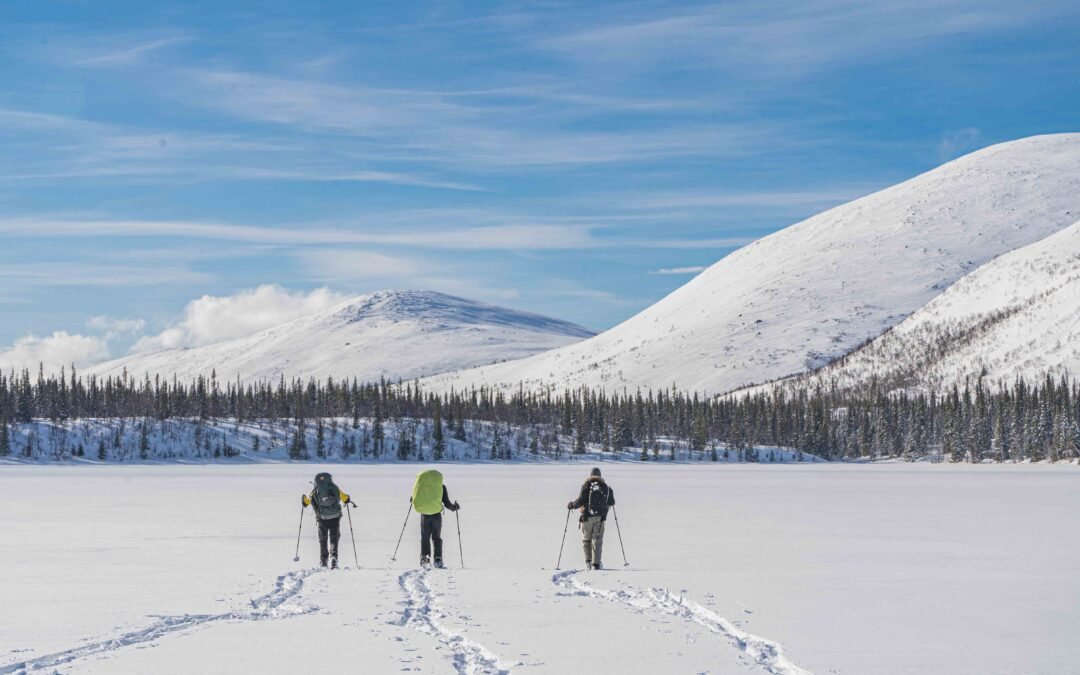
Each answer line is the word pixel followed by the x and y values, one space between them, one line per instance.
pixel 802 297
pixel 1017 315
pixel 392 334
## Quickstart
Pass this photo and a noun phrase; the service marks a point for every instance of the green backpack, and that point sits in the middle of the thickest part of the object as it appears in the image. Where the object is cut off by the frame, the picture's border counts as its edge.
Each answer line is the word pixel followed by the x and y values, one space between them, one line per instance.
pixel 427 492
pixel 326 498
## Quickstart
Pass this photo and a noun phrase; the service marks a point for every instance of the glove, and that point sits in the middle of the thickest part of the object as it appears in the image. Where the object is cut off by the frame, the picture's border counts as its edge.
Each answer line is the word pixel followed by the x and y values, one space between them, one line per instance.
pixel 348 500
pixel 456 506
pixel 570 506
pixel 304 500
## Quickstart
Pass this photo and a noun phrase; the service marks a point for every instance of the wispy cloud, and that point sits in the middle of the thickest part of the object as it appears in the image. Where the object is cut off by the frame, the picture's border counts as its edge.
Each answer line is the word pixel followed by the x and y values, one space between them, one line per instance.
pixel 74 148
pixel 72 274
pixel 517 127
pixel 695 269
pixel 127 54
pixel 113 326
pixel 714 199
pixel 956 143
pixel 791 37
pixel 691 243
pixel 352 265
pixel 404 229
pixel 504 237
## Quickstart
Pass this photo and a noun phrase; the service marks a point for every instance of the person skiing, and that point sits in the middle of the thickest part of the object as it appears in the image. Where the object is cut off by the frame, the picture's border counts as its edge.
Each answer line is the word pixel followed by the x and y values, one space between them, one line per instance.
pixel 324 500
pixel 429 497
pixel 594 501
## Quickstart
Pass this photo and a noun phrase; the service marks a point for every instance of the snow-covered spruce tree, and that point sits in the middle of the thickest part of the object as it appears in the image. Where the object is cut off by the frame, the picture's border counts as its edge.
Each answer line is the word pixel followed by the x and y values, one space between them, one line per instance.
pixel 298 448
pixel 378 435
pixel 439 448
pixel 144 441
pixel 5 438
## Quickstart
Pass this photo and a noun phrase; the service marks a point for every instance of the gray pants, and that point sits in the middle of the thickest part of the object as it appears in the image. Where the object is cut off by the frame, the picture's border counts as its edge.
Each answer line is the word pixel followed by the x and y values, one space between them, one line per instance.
pixel 592 529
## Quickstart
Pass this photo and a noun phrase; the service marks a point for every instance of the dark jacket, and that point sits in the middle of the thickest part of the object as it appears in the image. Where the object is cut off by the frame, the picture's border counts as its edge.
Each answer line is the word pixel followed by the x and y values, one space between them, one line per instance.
pixel 447 504
pixel 582 502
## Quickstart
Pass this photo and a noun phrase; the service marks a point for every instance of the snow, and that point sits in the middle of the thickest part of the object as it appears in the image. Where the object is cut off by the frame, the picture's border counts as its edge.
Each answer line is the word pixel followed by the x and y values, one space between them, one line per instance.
pixel 1017 315
pixel 392 334
pixel 799 298
pixel 878 568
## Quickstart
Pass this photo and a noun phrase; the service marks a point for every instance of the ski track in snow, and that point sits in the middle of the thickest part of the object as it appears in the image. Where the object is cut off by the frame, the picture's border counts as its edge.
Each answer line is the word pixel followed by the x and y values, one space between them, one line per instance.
pixel 765 653
pixel 276 604
pixel 423 613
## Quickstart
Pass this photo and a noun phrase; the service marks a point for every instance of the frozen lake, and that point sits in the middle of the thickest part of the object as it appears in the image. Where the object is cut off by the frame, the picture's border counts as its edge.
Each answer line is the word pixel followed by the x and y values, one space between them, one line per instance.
pixel 889 568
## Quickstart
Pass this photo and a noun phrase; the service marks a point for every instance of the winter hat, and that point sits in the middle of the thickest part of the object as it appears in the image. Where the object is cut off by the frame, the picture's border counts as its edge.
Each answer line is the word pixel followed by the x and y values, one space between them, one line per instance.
pixel 595 471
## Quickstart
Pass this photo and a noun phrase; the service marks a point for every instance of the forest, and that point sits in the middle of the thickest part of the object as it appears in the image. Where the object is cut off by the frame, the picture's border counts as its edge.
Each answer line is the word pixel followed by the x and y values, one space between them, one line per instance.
pixel 340 418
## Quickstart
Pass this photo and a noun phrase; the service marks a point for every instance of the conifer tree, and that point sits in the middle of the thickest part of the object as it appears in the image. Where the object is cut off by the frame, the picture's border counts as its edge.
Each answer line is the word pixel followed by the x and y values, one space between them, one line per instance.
pixel 437 433
pixel 144 441
pixel 5 439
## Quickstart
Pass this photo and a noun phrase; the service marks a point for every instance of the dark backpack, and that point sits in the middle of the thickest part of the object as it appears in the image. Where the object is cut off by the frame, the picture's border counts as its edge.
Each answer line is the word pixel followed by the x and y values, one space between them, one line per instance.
pixel 326 497
pixel 597 503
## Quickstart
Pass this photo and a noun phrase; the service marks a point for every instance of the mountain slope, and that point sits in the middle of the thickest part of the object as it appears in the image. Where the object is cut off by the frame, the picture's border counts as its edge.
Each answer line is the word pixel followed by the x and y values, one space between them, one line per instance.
pixel 801 297
pixel 1017 315
pixel 392 334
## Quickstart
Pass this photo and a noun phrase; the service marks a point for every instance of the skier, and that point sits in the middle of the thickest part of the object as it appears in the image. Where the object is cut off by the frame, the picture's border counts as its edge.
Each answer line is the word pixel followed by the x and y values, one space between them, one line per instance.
pixel 594 501
pixel 324 500
pixel 429 497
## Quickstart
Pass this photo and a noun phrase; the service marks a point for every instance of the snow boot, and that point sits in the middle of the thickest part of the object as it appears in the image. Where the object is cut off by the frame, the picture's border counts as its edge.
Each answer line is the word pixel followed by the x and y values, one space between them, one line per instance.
pixel 333 564
pixel 322 562
pixel 425 561
pixel 598 566
pixel 439 564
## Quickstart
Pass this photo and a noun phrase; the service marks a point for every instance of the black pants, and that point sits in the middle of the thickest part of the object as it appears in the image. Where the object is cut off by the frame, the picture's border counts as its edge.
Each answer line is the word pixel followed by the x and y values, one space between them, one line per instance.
pixel 332 528
pixel 431 532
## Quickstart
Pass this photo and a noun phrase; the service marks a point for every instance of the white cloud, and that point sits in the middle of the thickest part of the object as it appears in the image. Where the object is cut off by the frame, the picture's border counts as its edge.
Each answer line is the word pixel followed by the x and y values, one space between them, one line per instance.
pixel 61 349
pixel 113 327
pixel 213 319
pixel 680 270
pixel 959 142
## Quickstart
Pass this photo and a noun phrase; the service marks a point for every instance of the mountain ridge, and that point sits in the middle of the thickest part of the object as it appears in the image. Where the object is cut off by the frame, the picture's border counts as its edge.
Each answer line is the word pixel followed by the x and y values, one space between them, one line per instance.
pixel 394 334
pixel 810 293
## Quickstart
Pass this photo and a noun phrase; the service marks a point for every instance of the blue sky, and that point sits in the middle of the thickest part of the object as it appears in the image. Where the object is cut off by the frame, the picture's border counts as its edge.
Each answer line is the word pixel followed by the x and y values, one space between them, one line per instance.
pixel 575 159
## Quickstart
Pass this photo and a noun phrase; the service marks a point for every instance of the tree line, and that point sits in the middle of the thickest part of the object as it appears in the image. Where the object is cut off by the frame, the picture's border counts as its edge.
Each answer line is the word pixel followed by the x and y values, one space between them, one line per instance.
pixel 1022 421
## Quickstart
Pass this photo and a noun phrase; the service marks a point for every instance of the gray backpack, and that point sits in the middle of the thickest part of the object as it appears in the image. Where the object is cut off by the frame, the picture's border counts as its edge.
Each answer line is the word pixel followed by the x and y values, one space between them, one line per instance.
pixel 326 498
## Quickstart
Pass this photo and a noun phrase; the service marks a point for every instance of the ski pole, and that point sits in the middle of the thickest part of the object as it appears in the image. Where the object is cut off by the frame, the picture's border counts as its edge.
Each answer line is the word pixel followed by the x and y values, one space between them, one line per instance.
pixel 352 535
pixel 296 558
pixel 407 514
pixel 563 544
pixel 461 554
pixel 619 530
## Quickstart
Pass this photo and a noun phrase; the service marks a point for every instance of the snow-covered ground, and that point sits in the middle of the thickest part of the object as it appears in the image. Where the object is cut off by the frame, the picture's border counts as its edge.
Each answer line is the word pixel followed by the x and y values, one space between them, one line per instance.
pixel 391 334
pixel 888 568
pixel 801 297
